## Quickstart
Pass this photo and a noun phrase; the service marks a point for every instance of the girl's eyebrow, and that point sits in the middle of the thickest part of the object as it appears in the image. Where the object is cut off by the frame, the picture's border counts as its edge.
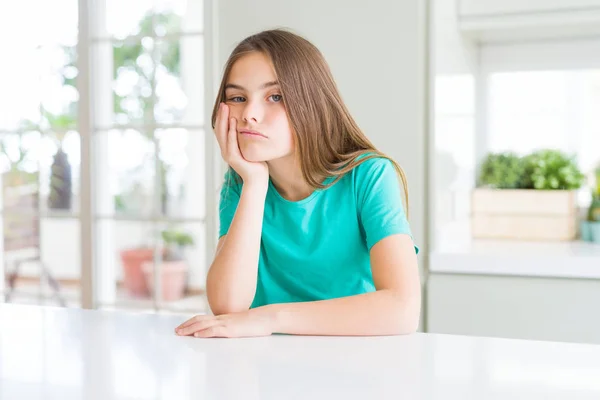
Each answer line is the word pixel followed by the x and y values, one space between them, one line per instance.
pixel 240 87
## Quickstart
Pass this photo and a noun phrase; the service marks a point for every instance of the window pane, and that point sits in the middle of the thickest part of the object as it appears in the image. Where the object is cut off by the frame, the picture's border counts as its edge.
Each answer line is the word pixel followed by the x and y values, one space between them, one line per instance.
pixel 173 16
pixel 53 158
pixel 182 265
pixel 38 23
pixel 16 78
pixel 180 81
pixel 183 271
pixel 146 17
pixel 127 18
pixel 546 109
pixel 60 162
pixel 133 72
pixel 59 95
pixel 47 76
pixel 124 173
pixel 42 267
pixel 183 165
pixel 47 271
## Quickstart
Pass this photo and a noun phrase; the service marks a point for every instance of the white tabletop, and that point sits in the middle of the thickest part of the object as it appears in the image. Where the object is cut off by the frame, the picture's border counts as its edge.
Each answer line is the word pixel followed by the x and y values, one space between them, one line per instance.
pixel 52 353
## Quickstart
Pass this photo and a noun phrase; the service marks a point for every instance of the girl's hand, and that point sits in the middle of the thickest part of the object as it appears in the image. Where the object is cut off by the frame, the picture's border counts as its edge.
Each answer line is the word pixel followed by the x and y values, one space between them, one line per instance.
pixel 251 323
pixel 226 133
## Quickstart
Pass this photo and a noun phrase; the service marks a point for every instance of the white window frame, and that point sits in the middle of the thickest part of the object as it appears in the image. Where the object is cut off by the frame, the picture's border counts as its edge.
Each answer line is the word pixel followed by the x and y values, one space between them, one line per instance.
pixel 95 284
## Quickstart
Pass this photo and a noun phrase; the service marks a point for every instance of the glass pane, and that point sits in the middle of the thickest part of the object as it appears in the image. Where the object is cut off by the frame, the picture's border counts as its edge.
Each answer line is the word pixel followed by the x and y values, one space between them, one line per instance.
pixel 126 18
pixel 129 252
pixel 31 23
pixel 133 74
pixel 133 245
pixel 59 95
pixel 183 271
pixel 180 81
pixel 60 162
pixel 47 75
pixel 530 110
pixel 19 153
pixel 174 16
pixel 41 266
pixel 46 272
pixel 124 173
pixel 53 158
pixel 22 75
pixel 183 168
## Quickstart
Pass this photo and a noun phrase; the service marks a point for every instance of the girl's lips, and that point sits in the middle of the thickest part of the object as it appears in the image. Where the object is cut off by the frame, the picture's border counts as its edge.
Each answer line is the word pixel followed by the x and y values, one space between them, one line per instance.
pixel 252 133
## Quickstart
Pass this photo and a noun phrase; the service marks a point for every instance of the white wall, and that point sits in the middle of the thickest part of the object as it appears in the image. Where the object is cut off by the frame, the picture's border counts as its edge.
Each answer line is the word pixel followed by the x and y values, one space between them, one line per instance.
pixel 377 53
pixel 453 53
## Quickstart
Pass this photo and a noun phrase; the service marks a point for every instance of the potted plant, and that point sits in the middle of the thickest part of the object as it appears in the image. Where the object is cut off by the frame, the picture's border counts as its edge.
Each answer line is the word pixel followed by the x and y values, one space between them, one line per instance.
pixel 590 228
pixel 133 260
pixel 527 198
pixel 174 267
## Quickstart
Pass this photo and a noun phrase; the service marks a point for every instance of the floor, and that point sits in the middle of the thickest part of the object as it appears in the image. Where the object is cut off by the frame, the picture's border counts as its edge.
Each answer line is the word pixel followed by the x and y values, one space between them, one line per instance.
pixel 31 293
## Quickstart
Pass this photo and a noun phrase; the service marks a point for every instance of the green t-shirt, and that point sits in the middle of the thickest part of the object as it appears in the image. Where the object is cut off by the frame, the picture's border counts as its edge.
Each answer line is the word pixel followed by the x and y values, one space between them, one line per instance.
pixel 318 248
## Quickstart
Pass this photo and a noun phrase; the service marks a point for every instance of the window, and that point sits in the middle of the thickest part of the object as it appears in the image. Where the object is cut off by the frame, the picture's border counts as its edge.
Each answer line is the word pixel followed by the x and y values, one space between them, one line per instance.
pixel 146 82
pixel 518 97
pixel 530 110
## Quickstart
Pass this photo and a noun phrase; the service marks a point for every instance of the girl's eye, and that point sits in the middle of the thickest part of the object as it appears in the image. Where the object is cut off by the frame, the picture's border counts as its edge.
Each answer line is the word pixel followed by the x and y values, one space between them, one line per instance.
pixel 276 98
pixel 237 99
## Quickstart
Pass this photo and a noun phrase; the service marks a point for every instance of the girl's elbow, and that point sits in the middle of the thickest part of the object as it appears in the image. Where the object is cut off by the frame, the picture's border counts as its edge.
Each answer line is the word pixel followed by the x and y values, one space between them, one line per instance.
pixel 407 317
pixel 404 325
pixel 222 306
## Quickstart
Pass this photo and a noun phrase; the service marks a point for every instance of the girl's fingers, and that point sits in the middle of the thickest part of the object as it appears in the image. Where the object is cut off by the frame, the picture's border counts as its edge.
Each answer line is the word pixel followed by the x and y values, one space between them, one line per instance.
pixel 195 319
pixel 221 126
pixel 232 144
pixel 197 327
pixel 213 331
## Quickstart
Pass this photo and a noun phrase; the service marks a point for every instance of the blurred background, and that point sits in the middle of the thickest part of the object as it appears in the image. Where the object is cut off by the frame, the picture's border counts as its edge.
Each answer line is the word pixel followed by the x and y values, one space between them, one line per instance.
pixel 110 173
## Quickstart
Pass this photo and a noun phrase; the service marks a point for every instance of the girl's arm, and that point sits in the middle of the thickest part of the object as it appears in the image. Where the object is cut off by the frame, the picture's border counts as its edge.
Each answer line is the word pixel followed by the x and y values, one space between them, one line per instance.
pixel 393 309
pixel 231 279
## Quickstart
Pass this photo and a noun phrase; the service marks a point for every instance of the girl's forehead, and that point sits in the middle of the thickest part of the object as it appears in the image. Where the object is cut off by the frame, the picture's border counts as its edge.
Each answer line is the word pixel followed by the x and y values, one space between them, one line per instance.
pixel 252 70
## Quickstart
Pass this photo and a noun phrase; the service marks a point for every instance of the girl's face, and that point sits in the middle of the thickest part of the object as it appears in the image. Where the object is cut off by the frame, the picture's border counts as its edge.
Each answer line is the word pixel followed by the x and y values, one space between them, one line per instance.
pixel 254 99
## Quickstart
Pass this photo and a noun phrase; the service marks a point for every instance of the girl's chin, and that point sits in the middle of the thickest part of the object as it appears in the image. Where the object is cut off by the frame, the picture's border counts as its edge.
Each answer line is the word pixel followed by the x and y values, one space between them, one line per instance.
pixel 254 156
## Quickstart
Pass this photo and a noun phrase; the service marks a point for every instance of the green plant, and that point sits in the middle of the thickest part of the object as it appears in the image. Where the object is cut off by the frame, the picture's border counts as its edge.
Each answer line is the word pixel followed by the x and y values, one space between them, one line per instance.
pixel 175 242
pixel 501 171
pixel 551 170
pixel 594 210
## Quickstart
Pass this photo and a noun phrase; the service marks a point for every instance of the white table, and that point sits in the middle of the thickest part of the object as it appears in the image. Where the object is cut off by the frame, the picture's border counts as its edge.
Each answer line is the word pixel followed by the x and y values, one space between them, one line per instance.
pixel 52 353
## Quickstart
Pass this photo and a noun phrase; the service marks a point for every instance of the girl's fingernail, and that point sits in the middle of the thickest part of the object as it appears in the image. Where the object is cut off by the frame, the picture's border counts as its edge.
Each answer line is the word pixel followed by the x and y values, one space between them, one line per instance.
pixel 196 334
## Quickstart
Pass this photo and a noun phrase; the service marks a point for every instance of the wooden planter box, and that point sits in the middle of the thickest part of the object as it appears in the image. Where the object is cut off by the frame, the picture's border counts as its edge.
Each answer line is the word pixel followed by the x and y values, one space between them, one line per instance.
pixel 524 214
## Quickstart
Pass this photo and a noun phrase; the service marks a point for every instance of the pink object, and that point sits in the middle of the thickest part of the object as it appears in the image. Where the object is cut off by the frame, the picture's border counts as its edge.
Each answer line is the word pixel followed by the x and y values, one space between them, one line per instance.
pixel 133 276
pixel 173 278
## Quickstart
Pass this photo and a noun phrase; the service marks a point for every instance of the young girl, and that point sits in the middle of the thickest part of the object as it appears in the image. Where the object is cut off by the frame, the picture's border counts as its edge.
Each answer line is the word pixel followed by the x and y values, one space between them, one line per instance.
pixel 313 235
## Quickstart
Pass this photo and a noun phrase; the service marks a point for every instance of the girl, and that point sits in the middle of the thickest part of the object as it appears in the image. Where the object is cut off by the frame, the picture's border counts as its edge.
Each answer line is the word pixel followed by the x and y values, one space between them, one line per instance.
pixel 313 235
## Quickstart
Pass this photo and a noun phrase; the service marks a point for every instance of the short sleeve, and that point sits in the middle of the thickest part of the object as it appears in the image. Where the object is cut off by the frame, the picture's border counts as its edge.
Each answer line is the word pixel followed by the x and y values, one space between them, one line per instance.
pixel 228 202
pixel 379 198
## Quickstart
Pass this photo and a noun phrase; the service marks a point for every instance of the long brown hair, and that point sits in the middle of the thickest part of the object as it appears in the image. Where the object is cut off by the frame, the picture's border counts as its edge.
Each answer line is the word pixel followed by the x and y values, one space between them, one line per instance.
pixel 328 140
